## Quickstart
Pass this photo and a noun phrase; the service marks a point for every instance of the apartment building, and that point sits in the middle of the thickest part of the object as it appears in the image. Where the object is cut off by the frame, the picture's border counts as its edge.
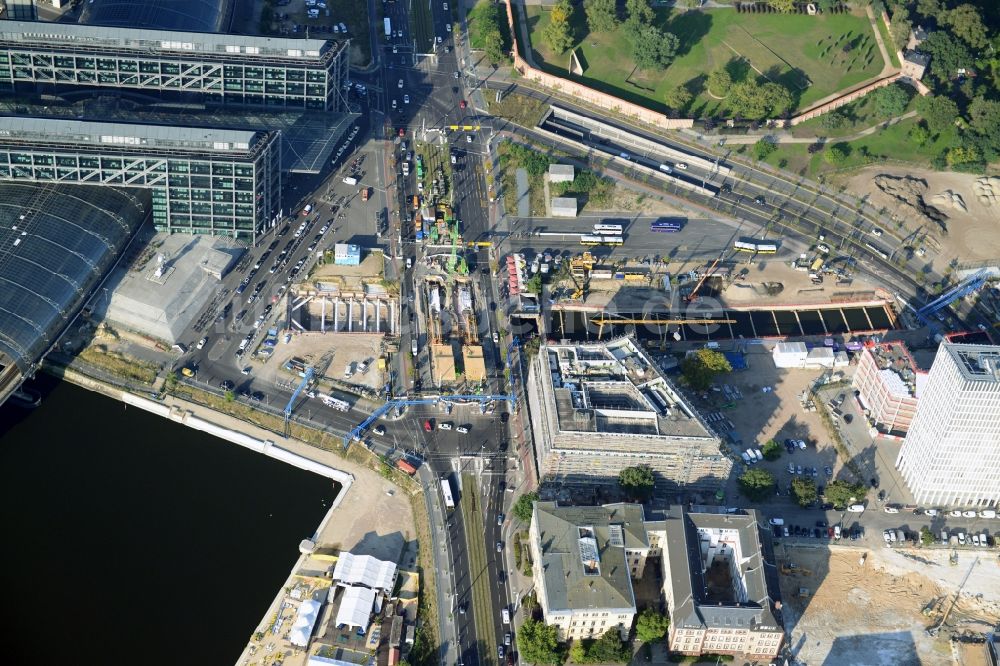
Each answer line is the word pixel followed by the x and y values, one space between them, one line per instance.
pixel 889 381
pixel 583 561
pixel 599 407
pixel 721 584
pixel 951 454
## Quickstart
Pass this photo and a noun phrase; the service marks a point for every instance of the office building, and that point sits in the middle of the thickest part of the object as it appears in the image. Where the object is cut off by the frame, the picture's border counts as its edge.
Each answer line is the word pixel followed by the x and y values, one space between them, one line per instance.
pixel 951 454
pixel 599 407
pixel 721 585
pixel 583 561
pixel 190 67
pixel 889 381
pixel 201 181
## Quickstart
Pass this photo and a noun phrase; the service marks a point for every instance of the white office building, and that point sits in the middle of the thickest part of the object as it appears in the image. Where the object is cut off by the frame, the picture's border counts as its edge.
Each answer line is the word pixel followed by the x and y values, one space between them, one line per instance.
pixel 951 454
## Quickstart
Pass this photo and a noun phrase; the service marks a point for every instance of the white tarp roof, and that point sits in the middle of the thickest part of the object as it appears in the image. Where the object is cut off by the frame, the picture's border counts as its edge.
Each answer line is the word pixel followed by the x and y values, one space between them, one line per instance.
pixel 365 570
pixel 302 628
pixel 355 607
pixel 790 348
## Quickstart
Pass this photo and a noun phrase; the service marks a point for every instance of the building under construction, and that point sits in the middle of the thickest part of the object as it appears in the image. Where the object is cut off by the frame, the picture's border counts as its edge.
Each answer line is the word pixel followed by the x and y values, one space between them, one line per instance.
pixel 452 329
pixel 597 408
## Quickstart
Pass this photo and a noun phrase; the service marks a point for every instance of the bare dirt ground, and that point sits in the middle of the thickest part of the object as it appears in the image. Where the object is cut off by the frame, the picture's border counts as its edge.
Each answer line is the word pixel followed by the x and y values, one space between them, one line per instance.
pixel 311 346
pixel 973 234
pixel 797 288
pixel 871 613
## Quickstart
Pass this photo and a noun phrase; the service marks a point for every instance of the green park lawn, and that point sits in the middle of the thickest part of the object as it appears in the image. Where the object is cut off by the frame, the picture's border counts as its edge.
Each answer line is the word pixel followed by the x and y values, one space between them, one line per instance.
pixel 803 52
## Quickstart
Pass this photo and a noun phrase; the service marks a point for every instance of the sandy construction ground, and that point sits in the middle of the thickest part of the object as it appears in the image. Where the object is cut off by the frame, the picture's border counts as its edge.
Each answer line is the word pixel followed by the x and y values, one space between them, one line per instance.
pixel 972 235
pixel 870 613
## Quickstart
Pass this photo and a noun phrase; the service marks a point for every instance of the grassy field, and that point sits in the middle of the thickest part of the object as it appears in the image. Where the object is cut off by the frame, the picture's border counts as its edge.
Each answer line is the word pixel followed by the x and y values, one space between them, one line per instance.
pixel 806 53
pixel 882 30
pixel 892 143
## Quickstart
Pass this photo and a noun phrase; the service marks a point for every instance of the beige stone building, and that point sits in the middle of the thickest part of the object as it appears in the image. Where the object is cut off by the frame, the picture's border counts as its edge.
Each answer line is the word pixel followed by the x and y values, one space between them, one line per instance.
pixel 583 562
pixel 596 408
pixel 721 585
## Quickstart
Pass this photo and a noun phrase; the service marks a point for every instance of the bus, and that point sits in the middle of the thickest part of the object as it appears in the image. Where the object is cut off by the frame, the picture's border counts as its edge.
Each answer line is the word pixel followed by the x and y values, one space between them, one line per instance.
pixel 665 226
pixel 755 245
pixel 601 240
pixel 608 229
pixel 877 250
pixel 449 501
pixel 388 27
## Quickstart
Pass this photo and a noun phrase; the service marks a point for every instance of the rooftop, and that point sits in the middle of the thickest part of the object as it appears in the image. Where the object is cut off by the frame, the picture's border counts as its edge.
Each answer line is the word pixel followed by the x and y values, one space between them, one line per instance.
pixel 917 58
pixel 126 135
pixel 149 40
pixel 583 553
pixel 616 388
pixel 365 570
pixel 976 362
pixel 901 374
pixel 718 571
pixel 309 137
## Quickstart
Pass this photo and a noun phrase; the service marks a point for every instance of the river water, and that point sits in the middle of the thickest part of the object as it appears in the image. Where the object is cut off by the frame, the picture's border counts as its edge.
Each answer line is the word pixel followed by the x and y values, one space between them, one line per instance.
pixel 130 539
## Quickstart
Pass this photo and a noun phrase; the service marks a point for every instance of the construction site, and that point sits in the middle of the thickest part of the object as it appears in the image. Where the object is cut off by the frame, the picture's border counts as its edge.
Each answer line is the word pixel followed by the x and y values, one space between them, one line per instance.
pixel 593 299
pixel 846 605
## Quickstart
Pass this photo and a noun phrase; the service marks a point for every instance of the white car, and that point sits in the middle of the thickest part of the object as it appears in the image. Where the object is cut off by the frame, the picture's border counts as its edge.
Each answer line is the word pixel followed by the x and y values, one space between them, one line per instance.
pixel 876 232
pixel 931 512
pixel 988 513
pixel 890 509
pixel 955 513
pixel 975 539
pixel 400 84
pixel 961 538
pixel 681 165
pixel 447 26
pixel 394 104
pixel 406 99
pixel 201 343
pixel 468 138
pixel 444 426
pixel 445 5
pixel 969 514
pixel 462 429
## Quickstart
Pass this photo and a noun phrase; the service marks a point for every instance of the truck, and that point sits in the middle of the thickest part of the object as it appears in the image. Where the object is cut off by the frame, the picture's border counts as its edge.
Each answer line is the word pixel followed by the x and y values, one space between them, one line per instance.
pixel 406 168
pixel 350 180
pixel 416 202
pixel 330 401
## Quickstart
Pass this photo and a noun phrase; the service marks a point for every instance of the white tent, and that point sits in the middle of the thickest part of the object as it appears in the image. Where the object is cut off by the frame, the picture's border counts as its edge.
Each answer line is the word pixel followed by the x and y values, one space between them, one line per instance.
pixel 304 623
pixel 365 570
pixel 355 607
pixel 789 354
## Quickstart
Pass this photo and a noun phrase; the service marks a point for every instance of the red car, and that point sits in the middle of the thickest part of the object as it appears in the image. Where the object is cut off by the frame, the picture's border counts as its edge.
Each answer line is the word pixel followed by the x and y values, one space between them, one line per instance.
pixel 427 425
pixel 461 104
pixel 402 131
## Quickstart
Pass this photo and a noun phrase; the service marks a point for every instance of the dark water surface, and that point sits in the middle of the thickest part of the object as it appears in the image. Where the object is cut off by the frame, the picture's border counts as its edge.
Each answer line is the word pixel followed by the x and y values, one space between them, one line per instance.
pixel 130 539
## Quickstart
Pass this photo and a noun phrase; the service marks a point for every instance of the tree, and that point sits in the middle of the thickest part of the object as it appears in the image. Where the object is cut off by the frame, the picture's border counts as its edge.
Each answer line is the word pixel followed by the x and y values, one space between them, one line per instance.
pixel 938 111
pixel 891 100
pixel 804 491
pixel 524 507
pixel 538 643
pixel 899 29
pixel 771 450
pixel 609 648
pixel 785 6
pixel 652 48
pixel 754 101
pixel 486 15
pixel 948 55
pixel 984 115
pixel 842 493
pixel 757 484
pixel 230 396
pixel 602 15
pixel 837 154
pixel 701 367
pixel 493 46
pixel 920 134
pixel 678 98
pixel 558 34
pixel 926 536
pixel 651 626
pixel 719 82
pixel 640 13
pixel 534 284
pixel 637 481
pixel 963 157
pixel 763 148
pixel 930 8
pixel 833 120
pixel 967 24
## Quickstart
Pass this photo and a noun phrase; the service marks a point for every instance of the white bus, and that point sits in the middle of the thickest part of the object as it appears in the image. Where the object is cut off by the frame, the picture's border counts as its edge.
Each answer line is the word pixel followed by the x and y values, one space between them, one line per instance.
pixel 449 501
pixel 608 229
pixel 388 27
pixel 601 240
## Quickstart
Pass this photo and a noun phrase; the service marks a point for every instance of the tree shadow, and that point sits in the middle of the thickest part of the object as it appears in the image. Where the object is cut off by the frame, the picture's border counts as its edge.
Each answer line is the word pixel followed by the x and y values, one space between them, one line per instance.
pixel 738 69
pixel 690 28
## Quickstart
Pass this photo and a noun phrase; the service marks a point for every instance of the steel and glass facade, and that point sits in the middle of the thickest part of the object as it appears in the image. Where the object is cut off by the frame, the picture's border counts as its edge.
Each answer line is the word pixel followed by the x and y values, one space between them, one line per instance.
pixel 207 68
pixel 202 181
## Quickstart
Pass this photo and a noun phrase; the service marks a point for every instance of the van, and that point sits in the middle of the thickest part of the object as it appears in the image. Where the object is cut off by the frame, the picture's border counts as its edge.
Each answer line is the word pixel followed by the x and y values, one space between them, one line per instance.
pixel 988 513
pixel 505 614
pixel 745 457
pixel 758 455
pixel 350 180
pixel 856 508
pixel 752 457
pixel 777 521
